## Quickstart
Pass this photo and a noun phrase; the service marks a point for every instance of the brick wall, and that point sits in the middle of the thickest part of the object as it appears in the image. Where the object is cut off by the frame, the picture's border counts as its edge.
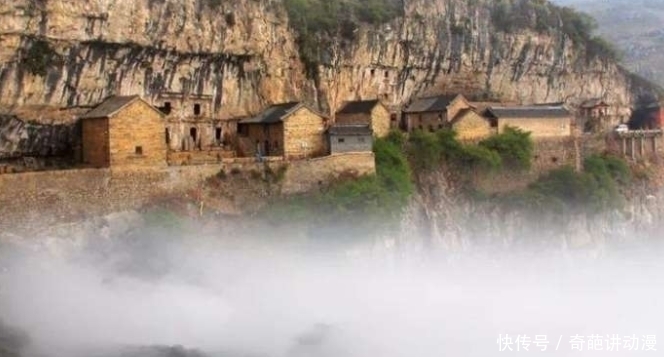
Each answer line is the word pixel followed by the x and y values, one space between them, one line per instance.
pixel 95 142
pixel 304 135
pixel 137 126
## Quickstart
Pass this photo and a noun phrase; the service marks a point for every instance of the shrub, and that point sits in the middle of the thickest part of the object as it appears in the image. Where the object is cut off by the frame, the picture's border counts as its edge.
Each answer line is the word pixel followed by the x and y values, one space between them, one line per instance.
pixel 39 58
pixel 514 146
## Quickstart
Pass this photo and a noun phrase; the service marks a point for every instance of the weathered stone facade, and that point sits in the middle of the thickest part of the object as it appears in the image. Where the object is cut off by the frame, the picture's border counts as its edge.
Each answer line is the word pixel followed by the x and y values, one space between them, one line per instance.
pixel 539 127
pixel 433 113
pixel 542 121
pixel 124 131
pixel 372 113
pixel 469 125
pixel 95 142
pixel 304 134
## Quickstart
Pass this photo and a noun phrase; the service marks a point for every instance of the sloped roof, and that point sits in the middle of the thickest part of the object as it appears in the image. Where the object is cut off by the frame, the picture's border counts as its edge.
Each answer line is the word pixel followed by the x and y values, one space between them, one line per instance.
pixel 431 104
pixel 529 112
pixel 461 114
pixel 112 105
pixel 592 103
pixel 350 130
pixel 359 107
pixel 273 114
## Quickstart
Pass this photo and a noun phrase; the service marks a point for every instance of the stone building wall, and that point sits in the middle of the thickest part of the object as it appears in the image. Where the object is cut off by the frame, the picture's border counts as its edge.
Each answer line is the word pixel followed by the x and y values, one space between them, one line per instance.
pixel 95 142
pixel 380 121
pixel 539 127
pixel 426 121
pixel 269 137
pixel 304 135
pixel 455 107
pixel 472 126
pixel 136 137
pixel 350 143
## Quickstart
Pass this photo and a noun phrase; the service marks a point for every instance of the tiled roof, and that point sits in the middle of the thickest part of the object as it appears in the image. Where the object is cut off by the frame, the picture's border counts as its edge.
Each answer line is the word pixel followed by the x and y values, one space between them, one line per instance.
pixel 430 104
pixel 529 112
pixel 273 114
pixel 110 106
pixel 358 107
pixel 350 130
pixel 460 114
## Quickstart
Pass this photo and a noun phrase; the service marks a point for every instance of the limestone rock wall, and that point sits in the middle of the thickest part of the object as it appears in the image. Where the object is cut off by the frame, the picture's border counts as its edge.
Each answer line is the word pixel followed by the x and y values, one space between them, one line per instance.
pixel 243 55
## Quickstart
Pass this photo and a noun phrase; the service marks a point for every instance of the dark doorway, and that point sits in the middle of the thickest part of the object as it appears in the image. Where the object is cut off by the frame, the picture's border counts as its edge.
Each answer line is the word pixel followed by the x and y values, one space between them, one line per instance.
pixel 217 134
pixel 193 132
pixel 197 109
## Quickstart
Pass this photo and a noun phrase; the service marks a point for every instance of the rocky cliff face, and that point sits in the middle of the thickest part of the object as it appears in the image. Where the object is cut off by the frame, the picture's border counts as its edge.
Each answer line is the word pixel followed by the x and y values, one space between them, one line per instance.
pixel 243 53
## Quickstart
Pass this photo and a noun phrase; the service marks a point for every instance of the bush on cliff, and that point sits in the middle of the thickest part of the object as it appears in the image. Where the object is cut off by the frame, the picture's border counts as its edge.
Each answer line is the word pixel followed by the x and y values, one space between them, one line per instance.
pixel 542 16
pixel 316 22
pixel 514 146
pixel 360 205
pixel 595 189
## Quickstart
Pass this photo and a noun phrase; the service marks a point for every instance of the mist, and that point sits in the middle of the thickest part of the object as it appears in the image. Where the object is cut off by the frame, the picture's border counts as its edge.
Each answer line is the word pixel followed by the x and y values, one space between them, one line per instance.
pixel 165 293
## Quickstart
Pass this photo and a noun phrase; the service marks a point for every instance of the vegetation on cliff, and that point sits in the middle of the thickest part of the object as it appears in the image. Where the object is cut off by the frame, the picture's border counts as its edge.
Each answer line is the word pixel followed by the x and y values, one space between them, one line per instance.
pixel 368 203
pixel 316 22
pixel 511 149
pixel 596 188
pixel 544 17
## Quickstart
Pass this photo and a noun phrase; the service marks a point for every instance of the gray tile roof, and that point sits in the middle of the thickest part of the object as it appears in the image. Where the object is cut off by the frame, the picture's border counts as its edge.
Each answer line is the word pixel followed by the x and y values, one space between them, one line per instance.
pixel 358 107
pixel 271 115
pixel 350 130
pixel 110 106
pixel 430 104
pixel 529 112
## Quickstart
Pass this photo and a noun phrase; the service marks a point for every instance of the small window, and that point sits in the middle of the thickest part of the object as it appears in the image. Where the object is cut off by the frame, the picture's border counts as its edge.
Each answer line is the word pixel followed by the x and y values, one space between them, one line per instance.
pixel 361 139
pixel 431 128
pixel 197 109
pixel 138 150
pixel 387 74
pixel 341 140
pixel 168 136
pixel 193 132
pixel 217 134
pixel 166 109
pixel 554 159
pixel 373 72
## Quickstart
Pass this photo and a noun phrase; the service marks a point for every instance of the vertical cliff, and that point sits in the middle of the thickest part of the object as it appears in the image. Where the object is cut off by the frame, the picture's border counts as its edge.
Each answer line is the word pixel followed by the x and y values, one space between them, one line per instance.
pixel 67 53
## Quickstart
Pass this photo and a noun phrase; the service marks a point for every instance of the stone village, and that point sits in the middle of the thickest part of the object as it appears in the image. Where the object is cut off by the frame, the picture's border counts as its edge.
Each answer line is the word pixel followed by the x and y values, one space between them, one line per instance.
pixel 129 131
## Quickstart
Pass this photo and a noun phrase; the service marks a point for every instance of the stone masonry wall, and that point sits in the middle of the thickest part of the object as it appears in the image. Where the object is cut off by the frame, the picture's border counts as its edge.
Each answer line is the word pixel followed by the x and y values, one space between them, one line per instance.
pixel 304 134
pixel 95 142
pixel 540 127
pixel 49 197
pixel 137 125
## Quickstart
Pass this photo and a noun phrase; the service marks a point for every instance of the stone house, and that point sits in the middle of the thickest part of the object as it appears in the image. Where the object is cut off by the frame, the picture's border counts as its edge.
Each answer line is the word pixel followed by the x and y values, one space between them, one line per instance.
pixel 350 138
pixel 292 130
pixel 191 123
pixel 540 120
pixel 594 116
pixel 471 126
pixel 432 113
pixel 368 112
pixel 123 131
